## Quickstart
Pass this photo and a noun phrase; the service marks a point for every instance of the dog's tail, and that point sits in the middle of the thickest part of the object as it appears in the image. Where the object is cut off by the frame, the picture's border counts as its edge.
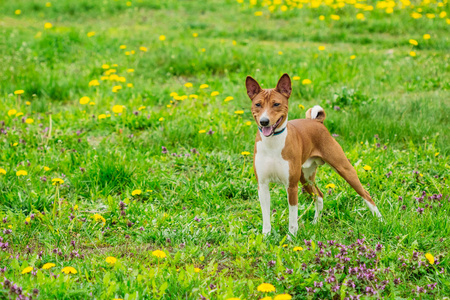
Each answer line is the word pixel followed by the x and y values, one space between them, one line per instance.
pixel 316 113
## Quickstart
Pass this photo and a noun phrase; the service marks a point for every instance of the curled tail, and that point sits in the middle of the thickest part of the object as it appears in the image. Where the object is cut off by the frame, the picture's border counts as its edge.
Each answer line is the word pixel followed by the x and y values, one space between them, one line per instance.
pixel 316 113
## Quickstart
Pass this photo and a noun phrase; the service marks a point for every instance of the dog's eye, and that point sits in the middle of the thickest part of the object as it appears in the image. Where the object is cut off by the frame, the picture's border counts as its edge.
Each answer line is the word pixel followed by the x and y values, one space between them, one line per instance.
pixel 258 104
pixel 276 104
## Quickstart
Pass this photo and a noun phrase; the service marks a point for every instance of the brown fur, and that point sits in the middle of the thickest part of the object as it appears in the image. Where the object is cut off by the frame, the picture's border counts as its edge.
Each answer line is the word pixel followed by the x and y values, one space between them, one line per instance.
pixel 306 138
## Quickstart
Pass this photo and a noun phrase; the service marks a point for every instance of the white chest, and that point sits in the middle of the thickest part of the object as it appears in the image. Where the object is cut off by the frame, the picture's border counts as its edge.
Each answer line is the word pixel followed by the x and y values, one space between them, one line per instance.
pixel 269 164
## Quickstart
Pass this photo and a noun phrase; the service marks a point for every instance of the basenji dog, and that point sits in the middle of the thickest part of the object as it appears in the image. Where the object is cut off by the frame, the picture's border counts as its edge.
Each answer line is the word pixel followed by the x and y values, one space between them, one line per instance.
pixel 289 152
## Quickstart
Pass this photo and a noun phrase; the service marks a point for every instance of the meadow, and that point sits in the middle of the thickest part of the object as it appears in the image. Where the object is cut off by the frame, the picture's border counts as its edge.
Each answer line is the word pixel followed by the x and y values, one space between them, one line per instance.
pixel 126 149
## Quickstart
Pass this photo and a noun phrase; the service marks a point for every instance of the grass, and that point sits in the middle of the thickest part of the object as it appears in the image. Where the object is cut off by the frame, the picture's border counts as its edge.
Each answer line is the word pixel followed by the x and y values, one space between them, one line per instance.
pixel 124 197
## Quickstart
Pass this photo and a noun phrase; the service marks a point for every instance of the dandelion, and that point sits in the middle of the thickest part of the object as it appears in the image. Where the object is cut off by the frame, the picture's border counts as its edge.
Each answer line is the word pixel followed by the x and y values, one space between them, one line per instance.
pixel 161 119
pixel 416 15
pixel 12 112
pixel 111 260
pixel 202 131
pixel 245 153
pixel 48 266
pixel 353 57
pixel 426 36
pixel 412 53
pixel 162 37
pixel 258 13
pixel 69 270
pixel 215 93
pixel 367 168
pixel 57 181
pixel 330 186
pixel 335 17
pixel 227 99
pixel 204 86
pixel 193 96
pixel 283 297
pixel 19 92
pixel 280 52
pixel 29 121
pixel 159 254
pixel 306 81
pixel 2 171
pixel 239 112
pixel 27 270
pixel 430 258
pixel 266 288
pixel 197 270
pixel 413 42
pixel 48 25
pixel 130 85
pixel 136 192
pixel 101 116
pixel 85 100
pixel 94 82
pixel 90 34
pixel 19 114
pixel 21 173
pixel 321 48
pixel 301 106
pixel 360 16
pixel 18 12
pixel 297 249
pixel 143 49
pixel 322 17
pixel 296 78
pixel 48 4
pixel 129 3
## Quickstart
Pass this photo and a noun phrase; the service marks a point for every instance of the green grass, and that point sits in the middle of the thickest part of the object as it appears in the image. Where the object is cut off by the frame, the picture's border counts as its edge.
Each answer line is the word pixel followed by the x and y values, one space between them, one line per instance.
pixel 202 209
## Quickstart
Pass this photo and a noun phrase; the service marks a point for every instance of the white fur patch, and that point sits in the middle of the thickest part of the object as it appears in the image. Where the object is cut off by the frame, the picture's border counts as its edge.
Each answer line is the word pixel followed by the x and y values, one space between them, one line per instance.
pixel 310 166
pixel 319 207
pixel 374 210
pixel 315 111
pixel 293 215
pixel 264 200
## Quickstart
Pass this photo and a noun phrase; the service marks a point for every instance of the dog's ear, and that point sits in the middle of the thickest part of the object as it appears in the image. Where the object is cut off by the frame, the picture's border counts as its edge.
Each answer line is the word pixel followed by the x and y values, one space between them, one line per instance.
pixel 252 86
pixel 284 85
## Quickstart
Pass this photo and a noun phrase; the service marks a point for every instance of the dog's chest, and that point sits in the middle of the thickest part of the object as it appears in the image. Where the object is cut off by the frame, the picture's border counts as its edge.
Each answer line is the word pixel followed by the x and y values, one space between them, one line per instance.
pixel 269 163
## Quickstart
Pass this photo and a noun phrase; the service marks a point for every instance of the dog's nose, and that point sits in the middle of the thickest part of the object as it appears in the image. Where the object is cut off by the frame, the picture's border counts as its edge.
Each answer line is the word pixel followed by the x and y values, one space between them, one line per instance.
pixel 264 121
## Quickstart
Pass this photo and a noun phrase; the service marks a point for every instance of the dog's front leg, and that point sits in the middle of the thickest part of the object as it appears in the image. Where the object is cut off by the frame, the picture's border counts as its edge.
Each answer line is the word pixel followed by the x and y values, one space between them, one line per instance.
pixel 293 209
pixel 264 200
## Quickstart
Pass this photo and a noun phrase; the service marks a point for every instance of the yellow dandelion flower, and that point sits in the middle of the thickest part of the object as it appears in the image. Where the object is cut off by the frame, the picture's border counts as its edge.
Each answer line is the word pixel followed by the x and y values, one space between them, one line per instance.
pixel 296 78
pixel 162 37
pixel 215 93
pixel 227 99
pixel 169 105
pixel 321 18
pixel 367 168
pixel 18 12
pixel 116 88
pixel 430 258
pixel 57 181
pixel 101 116
pixel 27 270
pixel 28 103
pixel 416 15
pixel 197 270
pixel 48 266
pixel 360 16
pixel 90 34
pixel 266 298
pixel 28 219
pixel 248 123
pixel 94 82
pixel 84 100
pixel 12 112
pixel 118 109
pixel 413 42
pixel 75 207
pixel 141 108
pixel 19 114
pixel 129 3
pixel 21 173
pixel 330 186
pixel 280 52
pixel 29 121
pixel 239 112
pixel 161 119
pixel 283 297
pixel 389 10
pixel 111 260
pixel 193 96
pixel 105 67
pixel 297 249
pixel 321 48
pixel 69 270
pixel 436 154
pixel 204 86
pixel 188 85
pixel 143 49
pixel 46 169
pixel 301 106
pixel 306 81
pixel 430 16
pixel 2 171
pixel 15 144
pixel 195 34
pixel 99 218
pixel 266 288
pixel 426 36
pixel 19 92
pixel 335 17
pixel 159 254
pixel 48 4
pixel 123 47
pixel 412 53
pixel 258 13
pixel 245 153
pixel 136 192
pixel 48 25
pixel 202 131
pixel 353 57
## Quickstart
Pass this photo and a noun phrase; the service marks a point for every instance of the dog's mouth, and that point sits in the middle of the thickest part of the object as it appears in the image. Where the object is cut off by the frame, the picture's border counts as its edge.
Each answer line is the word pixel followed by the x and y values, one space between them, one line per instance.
pixel 270 130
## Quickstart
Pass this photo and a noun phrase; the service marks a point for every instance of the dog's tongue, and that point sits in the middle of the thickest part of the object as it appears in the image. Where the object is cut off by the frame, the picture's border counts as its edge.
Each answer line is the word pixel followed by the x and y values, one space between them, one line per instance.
pixel 267 131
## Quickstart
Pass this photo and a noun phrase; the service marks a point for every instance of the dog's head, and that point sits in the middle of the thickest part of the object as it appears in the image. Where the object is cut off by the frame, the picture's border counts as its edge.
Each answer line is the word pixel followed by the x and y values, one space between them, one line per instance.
pixel 269 106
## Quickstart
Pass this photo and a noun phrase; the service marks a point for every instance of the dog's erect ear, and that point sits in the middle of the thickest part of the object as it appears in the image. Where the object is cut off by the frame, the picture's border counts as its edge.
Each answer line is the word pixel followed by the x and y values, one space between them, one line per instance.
pixel 252 86
pixel 284 85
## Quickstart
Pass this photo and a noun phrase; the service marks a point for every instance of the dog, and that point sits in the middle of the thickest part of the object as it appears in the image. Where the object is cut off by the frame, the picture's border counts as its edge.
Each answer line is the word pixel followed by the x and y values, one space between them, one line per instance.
pixel 289 152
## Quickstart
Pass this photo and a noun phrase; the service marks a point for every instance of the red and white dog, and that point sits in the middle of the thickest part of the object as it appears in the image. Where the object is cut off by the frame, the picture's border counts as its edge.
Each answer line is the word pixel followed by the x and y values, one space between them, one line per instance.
pixel 289 152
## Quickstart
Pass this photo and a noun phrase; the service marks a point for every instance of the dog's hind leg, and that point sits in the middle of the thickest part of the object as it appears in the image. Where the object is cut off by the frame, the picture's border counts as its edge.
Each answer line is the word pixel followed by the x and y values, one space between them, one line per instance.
pixel 336 158
pixel 307 180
